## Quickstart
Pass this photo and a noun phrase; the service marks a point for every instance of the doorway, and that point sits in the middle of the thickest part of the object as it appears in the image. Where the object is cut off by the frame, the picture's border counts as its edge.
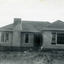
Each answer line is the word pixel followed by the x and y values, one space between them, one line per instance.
pixel 37 40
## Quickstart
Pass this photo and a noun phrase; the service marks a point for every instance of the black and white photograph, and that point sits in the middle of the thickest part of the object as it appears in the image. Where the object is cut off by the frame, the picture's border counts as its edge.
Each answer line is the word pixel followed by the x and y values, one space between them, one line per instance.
pixel 31 31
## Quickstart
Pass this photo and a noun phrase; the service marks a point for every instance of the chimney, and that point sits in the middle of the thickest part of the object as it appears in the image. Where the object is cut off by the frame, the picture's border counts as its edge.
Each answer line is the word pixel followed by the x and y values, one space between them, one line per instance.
pixel 17 26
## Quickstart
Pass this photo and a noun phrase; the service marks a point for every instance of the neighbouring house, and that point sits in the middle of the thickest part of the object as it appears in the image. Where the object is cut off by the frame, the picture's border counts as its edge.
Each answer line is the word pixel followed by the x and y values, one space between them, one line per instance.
pixel 22 34
pixel 53 35
pixel 33 34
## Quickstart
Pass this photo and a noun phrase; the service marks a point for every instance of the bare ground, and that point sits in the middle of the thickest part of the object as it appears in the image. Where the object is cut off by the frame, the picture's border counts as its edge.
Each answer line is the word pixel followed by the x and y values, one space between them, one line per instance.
pixel 26 57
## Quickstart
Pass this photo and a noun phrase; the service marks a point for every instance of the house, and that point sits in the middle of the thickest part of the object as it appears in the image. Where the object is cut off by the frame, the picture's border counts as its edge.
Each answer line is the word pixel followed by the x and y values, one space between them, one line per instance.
pixel 53 35
pixel 32 34
pixel 22 34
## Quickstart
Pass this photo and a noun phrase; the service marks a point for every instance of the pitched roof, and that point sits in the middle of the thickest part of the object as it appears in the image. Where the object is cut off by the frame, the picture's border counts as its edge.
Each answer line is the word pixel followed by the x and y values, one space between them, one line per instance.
pixel 33 25
pixel 57 25
pixel 7 27
pixel 27 26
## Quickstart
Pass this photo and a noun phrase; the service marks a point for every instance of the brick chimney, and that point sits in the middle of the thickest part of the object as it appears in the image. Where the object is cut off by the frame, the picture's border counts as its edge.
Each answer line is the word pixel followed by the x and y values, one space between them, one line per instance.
pixel 17 26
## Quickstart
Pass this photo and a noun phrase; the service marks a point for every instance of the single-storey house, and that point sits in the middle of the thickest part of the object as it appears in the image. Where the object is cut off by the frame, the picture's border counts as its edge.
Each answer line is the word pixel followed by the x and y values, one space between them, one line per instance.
pixel 22 34
pixel 33 34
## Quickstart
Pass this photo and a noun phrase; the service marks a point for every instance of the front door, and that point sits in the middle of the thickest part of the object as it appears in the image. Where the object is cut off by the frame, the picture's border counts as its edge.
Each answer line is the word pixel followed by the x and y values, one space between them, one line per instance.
pixel 37 40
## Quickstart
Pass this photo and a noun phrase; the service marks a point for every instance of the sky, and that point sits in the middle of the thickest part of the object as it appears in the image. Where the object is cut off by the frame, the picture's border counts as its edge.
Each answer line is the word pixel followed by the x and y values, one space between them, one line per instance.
pixel 34 10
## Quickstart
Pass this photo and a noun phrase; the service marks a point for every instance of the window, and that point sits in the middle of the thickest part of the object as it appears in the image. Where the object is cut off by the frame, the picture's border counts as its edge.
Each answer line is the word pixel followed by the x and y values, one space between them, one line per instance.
pixel 60 38
pixel 4 37
pixel 26 38
pixel 57 38
pixel 53 38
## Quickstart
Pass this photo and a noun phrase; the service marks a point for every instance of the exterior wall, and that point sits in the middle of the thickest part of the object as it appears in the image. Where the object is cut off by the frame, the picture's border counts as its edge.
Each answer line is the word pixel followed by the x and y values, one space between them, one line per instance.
pixel 47 39
pixel 31 40
pixel 16 38
pixel 10 39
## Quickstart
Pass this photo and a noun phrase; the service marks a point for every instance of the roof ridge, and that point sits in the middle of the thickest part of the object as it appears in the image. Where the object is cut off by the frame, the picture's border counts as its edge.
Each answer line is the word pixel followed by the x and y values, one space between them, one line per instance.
pixel 35 21
pixel 53 23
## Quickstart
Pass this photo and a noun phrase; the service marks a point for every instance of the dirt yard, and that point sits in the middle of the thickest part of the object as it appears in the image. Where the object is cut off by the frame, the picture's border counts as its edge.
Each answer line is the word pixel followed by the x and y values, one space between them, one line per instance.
pixel 26 57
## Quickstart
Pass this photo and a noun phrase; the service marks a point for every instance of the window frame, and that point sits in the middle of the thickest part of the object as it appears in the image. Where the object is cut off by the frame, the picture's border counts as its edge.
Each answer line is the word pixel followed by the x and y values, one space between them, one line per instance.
pixel 25 38
pixel 54 38
pixel 5 37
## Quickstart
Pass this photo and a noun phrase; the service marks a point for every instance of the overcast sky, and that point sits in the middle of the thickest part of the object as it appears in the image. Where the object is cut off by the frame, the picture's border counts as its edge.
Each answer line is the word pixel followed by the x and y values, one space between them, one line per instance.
pixel 36 10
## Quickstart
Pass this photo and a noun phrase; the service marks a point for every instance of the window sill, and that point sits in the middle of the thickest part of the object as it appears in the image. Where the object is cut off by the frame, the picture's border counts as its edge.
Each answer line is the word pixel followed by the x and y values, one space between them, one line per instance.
pixel 60 44
pixel 27 43
pixel 4 42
